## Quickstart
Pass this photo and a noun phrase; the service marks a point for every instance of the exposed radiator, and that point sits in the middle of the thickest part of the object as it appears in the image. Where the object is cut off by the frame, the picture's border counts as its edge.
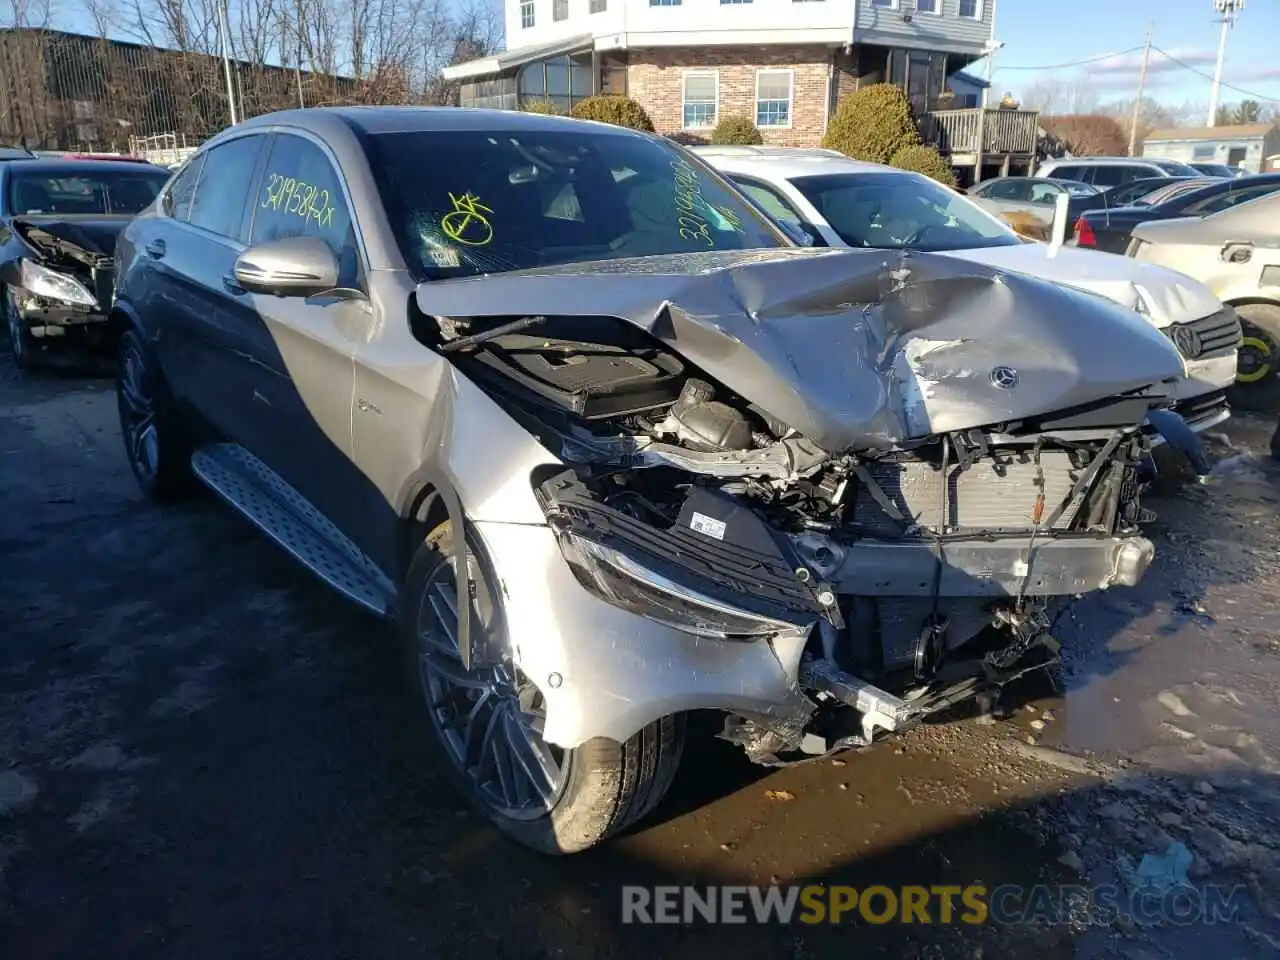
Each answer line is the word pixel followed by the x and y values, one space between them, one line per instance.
pixel 988 495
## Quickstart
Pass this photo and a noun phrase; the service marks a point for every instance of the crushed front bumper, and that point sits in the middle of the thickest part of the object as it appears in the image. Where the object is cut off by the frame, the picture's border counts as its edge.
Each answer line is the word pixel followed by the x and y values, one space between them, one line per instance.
pixel 48 322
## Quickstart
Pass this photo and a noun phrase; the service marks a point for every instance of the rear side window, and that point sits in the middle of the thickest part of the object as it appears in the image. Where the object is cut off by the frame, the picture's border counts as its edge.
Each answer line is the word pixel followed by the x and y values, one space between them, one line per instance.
pixel 1071 172
pixel 1230 198
pixel 301 196
pixel 221 197
pixel 1009 190
pixel 1114 174
pixel 177 201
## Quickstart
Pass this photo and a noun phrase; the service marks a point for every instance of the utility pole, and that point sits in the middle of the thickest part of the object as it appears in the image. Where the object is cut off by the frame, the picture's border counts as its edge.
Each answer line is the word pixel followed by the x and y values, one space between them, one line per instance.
pixel 1142 86
pixel 1228 10
pixel 224 36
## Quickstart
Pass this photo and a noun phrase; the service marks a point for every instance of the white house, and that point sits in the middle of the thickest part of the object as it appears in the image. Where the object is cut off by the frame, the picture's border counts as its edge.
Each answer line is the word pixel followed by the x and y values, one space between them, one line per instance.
pixel 782 63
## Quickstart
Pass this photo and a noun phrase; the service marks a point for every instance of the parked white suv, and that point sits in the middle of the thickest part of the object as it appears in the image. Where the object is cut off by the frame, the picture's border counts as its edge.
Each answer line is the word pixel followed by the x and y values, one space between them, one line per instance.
pixel 848 203
pixel 1107 172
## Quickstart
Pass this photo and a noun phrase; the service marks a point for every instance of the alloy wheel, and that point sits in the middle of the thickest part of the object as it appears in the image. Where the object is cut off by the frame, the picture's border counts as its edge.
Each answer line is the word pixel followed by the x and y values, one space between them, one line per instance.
pixel 489 718
pixel 17 336
pixel 138 415
pixel 1257 357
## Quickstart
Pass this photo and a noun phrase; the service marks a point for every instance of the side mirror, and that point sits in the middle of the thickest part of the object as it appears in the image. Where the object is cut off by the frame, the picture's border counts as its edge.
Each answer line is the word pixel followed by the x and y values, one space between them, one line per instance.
pixel 292 267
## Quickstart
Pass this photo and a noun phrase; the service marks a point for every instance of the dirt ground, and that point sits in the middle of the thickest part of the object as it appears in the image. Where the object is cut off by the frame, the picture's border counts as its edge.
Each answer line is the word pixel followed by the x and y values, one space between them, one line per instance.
pixel 204 754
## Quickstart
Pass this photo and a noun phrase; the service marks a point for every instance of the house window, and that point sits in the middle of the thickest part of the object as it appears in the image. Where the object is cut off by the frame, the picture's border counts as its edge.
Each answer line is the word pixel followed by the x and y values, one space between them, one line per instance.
pixel 699 96
pixel 724 3
pixel 526 14
pixel 664 3
pixel 929 6
pixel 773 97
pixel 888 4
pixel 598 6
pixel 559 9
pixel 971 9
pixel 1204 152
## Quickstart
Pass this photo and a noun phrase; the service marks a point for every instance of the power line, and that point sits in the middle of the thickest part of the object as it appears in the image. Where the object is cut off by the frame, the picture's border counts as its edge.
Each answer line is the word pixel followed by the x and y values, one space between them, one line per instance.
pixel 1186 66
pixel 1077 63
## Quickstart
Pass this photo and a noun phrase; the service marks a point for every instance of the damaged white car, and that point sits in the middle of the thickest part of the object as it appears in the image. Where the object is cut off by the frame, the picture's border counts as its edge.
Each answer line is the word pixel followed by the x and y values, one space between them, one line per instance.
pixel 611 449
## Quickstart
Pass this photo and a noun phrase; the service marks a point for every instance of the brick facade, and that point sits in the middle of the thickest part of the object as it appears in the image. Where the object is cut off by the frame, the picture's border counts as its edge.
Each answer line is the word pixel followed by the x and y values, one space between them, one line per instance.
pixel 654 79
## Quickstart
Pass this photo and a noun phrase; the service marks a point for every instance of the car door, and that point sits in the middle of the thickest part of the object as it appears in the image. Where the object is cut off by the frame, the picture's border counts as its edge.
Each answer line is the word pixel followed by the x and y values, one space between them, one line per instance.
pixel 203 336
pixel 306 345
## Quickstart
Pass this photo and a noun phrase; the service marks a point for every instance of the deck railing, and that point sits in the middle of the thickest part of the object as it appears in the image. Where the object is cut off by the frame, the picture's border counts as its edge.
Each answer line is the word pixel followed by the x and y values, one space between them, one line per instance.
pixel 1004 131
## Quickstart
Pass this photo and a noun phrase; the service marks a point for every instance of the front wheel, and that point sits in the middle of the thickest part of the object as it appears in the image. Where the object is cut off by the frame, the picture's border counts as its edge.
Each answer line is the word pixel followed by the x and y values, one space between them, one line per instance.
pixel 1257 385
pixel 16 332
pixel 486 725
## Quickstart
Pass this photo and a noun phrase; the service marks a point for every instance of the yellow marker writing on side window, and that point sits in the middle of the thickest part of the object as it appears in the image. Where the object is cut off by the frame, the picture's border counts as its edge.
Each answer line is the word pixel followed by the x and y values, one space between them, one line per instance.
pixel 467 222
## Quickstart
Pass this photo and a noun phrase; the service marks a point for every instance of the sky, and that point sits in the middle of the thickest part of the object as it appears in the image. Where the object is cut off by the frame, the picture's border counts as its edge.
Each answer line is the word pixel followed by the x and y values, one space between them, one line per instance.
pixel 1040 33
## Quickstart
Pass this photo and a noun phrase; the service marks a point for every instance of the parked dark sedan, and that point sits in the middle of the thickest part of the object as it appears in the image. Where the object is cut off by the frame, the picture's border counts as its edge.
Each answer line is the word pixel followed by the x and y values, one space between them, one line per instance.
pixel 59 220
pixel 1109 229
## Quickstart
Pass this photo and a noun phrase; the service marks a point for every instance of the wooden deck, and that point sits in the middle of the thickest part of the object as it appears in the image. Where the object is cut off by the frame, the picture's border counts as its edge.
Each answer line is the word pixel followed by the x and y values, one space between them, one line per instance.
pixel 977 137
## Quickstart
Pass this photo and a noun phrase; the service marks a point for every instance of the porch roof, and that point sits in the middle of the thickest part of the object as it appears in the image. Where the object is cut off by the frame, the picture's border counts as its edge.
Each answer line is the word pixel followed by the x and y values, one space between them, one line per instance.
pixel 508 59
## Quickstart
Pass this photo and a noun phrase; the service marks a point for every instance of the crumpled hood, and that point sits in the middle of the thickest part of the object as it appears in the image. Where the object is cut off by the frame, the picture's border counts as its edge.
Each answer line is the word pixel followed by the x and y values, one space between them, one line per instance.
pixel 94 234
pixel 1170 297
pixel 855 349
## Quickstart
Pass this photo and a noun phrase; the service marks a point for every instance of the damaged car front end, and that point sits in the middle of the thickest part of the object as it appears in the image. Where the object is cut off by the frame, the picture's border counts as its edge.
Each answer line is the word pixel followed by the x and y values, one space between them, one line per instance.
pixel 831 493
pixel 63 283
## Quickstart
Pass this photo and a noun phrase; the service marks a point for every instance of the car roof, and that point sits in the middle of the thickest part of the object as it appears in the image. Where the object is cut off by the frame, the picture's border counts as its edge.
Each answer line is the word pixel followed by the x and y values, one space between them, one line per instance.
pixel 398 119
pixel 1148 161
pixel 43 166
pixel 786 162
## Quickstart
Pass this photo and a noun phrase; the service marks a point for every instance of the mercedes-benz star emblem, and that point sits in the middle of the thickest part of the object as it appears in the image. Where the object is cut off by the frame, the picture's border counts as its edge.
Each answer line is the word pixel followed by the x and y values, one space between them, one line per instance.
pixel 1004 378
pixel 1187 340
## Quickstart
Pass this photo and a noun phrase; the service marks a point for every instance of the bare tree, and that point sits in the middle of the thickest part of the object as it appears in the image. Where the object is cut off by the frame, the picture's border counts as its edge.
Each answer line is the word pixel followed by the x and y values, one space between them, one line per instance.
pixel 1059 98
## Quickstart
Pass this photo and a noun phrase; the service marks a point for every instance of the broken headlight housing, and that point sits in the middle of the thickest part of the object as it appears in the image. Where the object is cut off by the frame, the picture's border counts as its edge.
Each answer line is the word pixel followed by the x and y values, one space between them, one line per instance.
pixel 621 580
pixel 43 282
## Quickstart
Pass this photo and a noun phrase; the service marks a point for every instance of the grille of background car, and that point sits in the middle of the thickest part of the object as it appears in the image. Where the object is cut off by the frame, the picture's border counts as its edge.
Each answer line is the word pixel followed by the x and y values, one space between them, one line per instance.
pixel 1217 335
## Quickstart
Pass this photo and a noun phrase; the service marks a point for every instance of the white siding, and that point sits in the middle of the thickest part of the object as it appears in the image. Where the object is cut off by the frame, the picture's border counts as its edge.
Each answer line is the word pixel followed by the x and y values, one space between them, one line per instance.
pixel 691 21
pixel 926 31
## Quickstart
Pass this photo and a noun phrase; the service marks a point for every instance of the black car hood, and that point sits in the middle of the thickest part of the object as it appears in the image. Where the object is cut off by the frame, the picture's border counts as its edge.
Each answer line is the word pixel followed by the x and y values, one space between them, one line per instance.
pixel 856 349
pixel 95 235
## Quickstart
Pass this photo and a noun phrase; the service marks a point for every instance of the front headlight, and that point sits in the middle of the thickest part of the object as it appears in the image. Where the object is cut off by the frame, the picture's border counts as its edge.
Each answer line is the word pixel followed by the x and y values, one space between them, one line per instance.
pixel 44 282
pixel 620 580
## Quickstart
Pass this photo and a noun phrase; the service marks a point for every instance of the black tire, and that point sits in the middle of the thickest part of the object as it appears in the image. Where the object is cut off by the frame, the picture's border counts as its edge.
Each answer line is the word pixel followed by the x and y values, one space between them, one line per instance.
pixel 154 441
pixel 16 334
pixel 602 787
pixel 1257 385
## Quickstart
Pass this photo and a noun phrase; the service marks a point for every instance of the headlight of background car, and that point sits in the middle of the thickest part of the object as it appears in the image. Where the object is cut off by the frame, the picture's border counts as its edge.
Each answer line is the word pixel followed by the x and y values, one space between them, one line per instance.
pixel 622 581
pixel 44 282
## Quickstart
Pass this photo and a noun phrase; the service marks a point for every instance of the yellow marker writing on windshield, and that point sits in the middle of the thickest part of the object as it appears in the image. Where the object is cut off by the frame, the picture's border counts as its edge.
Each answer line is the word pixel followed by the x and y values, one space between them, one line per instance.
pixel 467 222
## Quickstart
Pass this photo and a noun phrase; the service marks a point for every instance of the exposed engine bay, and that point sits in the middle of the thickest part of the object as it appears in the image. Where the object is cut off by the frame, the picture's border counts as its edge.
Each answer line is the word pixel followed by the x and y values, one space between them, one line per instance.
pixel 921 545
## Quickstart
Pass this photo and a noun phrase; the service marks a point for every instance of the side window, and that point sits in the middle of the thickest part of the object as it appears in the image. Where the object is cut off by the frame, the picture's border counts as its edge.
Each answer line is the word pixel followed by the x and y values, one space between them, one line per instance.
pixel 301 196
pixel 220 202
pixel 1071 172
pixel 177 200
pixel 1110 175
pixel 770 201
pixel 1044 192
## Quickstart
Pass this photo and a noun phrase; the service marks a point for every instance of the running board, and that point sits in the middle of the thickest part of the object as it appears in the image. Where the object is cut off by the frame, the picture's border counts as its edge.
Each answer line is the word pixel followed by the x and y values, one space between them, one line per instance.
pixel 284 515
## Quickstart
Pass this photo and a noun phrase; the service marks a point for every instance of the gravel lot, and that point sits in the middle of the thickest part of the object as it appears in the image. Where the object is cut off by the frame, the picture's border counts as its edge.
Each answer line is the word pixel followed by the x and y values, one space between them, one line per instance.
pixel 204 754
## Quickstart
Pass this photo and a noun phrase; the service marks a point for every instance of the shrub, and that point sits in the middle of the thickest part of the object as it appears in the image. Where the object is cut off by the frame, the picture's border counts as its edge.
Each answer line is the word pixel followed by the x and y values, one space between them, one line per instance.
pixel 541 106
pixel 687 139
pixel 736 131
pixel 872 124
pixel 620 111
pixel 926 160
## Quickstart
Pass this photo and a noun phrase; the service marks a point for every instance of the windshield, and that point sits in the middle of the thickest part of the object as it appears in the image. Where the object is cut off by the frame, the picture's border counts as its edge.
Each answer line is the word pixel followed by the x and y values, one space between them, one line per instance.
pixel 116 192
pixel 1214 169
pixel 1176 169
pixel 902 211
pixel 1077 189
pixel 499 200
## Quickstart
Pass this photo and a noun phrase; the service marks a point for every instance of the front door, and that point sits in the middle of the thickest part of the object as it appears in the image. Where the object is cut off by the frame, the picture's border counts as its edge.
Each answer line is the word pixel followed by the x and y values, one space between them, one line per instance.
pixel 207 348
pixel 309 343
